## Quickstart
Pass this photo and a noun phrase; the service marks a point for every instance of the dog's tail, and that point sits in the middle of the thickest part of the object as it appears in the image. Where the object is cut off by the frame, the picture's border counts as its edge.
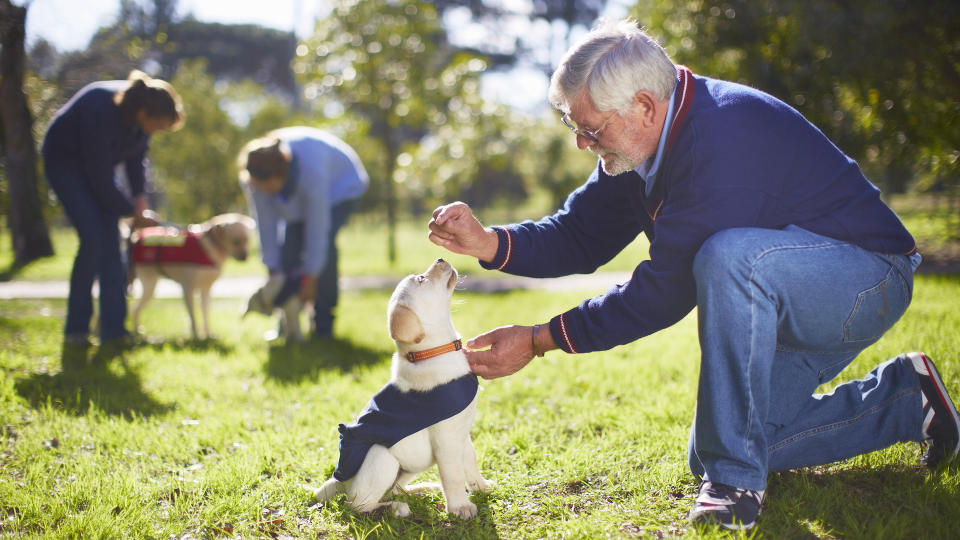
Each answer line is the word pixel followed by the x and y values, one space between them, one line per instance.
pixel 328 490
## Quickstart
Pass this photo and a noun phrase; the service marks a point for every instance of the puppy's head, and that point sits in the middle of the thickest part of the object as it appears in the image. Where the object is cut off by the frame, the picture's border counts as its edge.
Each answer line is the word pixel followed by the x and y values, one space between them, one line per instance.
pixel 232 233
pixel 421 302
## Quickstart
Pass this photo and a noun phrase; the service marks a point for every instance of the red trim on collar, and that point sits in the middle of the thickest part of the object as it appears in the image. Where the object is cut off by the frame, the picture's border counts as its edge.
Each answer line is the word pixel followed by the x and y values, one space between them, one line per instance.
pixel 686 99
pixel 685 83
pixel 416 356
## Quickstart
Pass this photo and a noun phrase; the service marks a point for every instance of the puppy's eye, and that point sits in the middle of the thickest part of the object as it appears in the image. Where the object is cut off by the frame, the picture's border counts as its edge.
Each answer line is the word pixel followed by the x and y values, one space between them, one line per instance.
pixel 421 279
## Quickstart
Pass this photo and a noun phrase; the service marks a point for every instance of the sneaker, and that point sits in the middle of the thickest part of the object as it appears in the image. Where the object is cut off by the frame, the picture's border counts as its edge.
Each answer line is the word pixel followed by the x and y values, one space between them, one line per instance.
pixel 731 508
pixel 941 424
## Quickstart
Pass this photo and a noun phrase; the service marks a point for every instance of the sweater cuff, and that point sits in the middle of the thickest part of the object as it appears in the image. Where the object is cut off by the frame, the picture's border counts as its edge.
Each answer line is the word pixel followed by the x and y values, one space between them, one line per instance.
pixel 504 251
pixel 560 331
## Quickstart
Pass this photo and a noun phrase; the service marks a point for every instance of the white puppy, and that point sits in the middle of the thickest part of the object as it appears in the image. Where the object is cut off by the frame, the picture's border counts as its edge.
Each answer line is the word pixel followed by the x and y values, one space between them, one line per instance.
pixel 263 301
pixel 422 416
pixel 193 257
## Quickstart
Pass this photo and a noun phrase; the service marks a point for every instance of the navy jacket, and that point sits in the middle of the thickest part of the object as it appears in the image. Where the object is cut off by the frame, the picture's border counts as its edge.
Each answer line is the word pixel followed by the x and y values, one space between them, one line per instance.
pixel 739 158
pixel 87 134
pixel 392 415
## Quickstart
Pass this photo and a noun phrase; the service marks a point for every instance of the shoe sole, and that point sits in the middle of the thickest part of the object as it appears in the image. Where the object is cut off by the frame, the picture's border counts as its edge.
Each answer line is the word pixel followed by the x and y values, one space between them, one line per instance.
pixel 944 396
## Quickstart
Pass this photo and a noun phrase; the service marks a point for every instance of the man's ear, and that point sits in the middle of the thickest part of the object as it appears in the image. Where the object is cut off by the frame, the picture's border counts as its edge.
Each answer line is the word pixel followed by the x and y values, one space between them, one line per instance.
pixel 646 106
pixel 405 325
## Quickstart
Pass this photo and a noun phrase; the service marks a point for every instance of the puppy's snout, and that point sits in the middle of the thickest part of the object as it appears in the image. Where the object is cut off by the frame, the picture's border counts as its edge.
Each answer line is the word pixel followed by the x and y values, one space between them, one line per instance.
pixel 439 260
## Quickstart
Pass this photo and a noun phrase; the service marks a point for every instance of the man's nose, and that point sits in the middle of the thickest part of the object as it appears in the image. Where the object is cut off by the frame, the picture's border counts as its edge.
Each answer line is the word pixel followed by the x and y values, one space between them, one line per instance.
pixel 584 142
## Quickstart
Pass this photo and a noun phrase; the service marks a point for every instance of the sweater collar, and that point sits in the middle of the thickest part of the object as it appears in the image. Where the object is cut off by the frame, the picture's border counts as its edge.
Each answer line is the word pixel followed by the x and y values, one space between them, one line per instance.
pixel 677 110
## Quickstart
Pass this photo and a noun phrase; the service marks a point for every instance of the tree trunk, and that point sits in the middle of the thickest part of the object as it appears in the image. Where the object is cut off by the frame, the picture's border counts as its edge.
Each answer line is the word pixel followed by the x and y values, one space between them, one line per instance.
pixel 31 239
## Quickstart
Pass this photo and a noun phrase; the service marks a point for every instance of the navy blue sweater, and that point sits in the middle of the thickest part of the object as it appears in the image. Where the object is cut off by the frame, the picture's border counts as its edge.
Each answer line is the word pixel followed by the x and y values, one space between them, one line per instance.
pixel 88 135
pixel 739 158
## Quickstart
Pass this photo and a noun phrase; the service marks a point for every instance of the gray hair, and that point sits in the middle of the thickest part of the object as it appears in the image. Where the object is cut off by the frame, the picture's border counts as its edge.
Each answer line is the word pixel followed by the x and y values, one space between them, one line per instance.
pixel 613 62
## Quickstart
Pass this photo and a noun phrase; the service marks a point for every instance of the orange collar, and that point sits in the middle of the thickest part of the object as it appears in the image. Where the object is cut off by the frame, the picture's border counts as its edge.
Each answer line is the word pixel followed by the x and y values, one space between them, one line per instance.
pixel 417 356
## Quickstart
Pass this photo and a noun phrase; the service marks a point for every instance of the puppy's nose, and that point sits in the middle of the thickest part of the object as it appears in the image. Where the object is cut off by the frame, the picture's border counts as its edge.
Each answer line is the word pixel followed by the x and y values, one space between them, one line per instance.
pixel 440 260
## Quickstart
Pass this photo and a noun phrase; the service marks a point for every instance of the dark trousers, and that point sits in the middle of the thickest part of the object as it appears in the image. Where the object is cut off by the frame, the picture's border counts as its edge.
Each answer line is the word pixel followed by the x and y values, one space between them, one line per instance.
pixel 98 256
pixel 328 291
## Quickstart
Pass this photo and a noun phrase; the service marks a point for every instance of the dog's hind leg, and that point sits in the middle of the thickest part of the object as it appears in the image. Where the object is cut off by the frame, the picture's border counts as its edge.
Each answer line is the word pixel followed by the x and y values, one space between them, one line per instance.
pixel 149 285
pixel 328 490
pixel 376 476
pixel 402 484
pixel 188 301
pixel 205 311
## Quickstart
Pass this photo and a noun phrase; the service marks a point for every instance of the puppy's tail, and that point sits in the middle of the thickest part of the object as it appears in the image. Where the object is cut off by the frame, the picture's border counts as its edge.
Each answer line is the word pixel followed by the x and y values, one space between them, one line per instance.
pixel 328 490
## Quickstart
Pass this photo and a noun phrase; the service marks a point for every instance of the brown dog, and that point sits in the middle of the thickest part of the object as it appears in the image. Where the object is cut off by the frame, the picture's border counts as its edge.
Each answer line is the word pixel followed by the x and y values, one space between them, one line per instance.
pixel 193 257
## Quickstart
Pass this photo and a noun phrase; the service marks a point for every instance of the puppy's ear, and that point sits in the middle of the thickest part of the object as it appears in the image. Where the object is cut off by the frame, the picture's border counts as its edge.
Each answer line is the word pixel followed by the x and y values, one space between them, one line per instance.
pixel 405 325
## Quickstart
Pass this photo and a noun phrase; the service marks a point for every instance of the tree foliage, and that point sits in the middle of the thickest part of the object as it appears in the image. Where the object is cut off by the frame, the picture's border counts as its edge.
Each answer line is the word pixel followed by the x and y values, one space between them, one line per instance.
pixel 880 78
pixel 386 61
pixel 194 167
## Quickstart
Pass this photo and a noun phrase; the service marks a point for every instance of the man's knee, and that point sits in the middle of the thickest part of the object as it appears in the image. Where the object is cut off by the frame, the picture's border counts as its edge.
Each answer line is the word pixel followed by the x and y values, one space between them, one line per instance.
pixel 721 252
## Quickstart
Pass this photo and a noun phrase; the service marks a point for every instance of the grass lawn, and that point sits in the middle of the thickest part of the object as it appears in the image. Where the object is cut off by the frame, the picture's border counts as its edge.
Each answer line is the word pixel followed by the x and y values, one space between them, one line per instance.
pixel 211 439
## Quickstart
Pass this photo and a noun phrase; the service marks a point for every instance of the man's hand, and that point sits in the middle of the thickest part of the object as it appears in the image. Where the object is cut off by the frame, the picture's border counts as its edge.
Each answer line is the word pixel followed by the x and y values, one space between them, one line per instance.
pixel 454 227
pixel 510 350
pixel 145 218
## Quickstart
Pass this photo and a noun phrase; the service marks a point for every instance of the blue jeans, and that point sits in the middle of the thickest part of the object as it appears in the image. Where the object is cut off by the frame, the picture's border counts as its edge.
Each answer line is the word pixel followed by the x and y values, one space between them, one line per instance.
pixel 98 255
pixel 328 290
pixel 780 313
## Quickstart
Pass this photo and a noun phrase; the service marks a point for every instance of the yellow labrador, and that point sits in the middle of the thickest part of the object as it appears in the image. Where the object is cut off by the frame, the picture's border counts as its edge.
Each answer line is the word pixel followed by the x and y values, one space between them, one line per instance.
pixel 422 416
pixel 193 257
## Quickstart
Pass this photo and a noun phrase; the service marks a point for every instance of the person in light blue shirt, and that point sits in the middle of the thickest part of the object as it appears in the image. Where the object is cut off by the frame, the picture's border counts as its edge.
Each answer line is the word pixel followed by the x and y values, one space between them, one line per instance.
pixel 302 184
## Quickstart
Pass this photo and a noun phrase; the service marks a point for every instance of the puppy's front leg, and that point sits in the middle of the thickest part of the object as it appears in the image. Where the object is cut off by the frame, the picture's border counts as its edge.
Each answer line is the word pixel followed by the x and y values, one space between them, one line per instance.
pixel 449 455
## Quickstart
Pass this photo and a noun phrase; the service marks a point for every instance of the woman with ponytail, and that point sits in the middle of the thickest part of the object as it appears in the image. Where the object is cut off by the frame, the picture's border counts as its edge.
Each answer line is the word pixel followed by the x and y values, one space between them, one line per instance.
pixel 105 124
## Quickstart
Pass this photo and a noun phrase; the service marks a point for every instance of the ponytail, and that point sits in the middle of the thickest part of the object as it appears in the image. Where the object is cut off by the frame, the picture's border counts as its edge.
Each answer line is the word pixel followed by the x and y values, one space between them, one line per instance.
pixel 154 96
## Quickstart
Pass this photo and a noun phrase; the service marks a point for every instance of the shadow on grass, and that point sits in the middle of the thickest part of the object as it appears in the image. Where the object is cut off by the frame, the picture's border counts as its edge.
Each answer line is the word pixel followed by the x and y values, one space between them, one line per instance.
pixel 428 518
pixel 895 501
pixel 298 361
pixel 187 344
pixel 86 383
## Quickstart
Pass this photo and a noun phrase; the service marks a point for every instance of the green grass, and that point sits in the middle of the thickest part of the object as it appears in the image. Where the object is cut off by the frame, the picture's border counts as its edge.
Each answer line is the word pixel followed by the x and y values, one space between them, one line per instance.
pixel 177 439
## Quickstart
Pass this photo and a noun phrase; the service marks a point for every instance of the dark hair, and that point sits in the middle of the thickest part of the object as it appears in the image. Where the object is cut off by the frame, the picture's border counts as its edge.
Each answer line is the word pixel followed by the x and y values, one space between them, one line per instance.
pixel 155 97
pixel 262 158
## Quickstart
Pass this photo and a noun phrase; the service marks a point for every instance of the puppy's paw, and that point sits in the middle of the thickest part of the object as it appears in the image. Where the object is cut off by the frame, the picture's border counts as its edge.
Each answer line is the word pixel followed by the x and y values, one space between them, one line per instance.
pixel 481 484
pixel 400 509
pixel 467 510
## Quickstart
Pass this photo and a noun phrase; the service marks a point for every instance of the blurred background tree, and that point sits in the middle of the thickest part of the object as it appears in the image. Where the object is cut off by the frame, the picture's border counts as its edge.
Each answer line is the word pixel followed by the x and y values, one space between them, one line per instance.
pixel 388 62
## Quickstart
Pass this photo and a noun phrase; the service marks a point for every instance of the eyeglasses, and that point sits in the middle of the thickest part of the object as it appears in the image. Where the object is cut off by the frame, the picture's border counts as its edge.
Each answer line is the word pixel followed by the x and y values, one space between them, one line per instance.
pixel 592 136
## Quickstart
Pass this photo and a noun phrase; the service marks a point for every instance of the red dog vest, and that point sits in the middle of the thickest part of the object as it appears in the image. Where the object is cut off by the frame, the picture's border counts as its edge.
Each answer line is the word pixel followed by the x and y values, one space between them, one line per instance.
pixel 169 245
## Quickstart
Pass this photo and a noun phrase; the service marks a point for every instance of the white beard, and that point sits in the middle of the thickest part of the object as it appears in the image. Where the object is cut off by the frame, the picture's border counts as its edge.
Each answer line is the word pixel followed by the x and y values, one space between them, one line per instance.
pixel 615 163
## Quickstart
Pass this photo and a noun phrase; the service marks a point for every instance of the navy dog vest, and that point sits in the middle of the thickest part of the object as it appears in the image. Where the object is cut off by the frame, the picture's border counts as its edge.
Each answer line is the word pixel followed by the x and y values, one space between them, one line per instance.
pixel 392 415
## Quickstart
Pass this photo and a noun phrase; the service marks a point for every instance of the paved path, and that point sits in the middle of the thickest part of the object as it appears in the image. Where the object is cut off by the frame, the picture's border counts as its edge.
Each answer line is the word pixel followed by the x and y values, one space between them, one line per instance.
pixel 243 287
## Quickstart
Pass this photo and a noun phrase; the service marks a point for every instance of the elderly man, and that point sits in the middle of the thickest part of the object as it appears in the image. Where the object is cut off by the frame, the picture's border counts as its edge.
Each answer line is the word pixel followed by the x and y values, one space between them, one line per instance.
pixel 757 219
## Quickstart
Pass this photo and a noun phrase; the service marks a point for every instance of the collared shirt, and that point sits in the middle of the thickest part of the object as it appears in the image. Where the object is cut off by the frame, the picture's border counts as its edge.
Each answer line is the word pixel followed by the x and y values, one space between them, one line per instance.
pixel 649 168
pixel 324 171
